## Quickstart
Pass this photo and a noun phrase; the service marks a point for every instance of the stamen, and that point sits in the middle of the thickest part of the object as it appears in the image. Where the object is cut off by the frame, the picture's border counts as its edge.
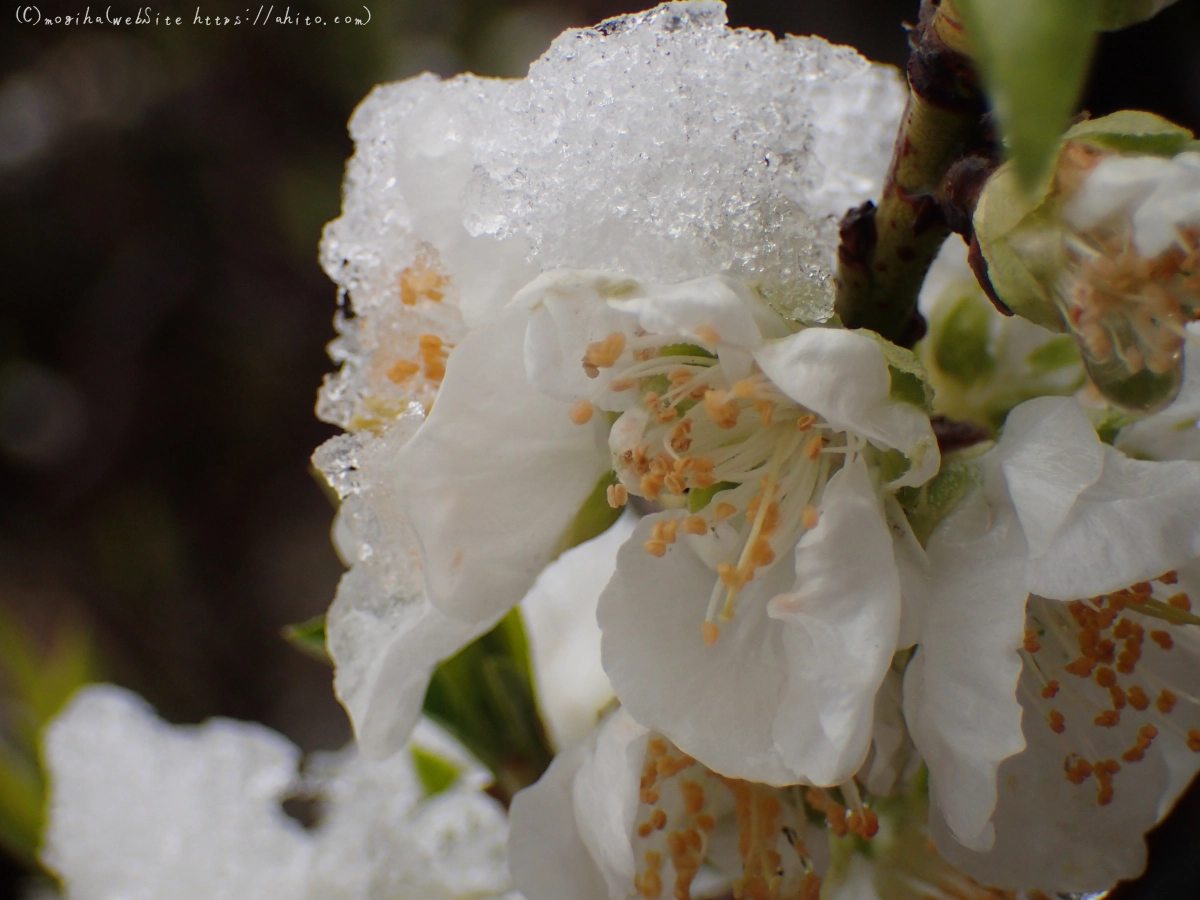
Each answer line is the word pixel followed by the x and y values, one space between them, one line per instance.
pixel 707 334
pixel 403 370
pixel 709 631
pixel 618 495
pixel 604 354
pixel 695 525
pixel 581 412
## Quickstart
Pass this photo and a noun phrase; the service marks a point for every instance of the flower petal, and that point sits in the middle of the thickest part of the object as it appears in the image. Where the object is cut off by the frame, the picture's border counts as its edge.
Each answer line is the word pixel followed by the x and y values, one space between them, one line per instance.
pixel 605 799
pixel 843 377
pixel 1051 833
pixel 568 311
pixel 1050 455
pixel 716 703
pixel 548 859
pixel 494 477
pixel 564 639
pixel 960 688
pixel 842 618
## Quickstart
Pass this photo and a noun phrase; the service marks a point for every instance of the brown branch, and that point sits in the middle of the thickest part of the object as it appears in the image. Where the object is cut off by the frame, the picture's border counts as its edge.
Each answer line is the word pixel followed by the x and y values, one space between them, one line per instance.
pixel 886 250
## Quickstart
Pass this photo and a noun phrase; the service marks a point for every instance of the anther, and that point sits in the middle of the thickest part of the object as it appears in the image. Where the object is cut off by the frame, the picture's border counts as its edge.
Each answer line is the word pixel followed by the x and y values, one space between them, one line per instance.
pixel 707 334
pixel 723 511
pixel 814 448
pixel 1110 718
pixel 1193 740
pixel 581 412
pixel 1168 577
pixel 1166 701
pixel 1056 721
pixel 1137 698
pixel 1032 644
pixel 1163 639
pixel 1105 677
pixel 1180 601
pixel 656 548
pixel 604 354
pixel 402 370
pixel 710 631
pixel 806 421
pixel 618 495
pixel 695 525
pixel 809 517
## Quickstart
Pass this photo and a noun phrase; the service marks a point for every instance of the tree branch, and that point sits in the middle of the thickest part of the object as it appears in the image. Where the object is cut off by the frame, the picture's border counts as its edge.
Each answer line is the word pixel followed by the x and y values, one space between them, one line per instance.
pixel 886 250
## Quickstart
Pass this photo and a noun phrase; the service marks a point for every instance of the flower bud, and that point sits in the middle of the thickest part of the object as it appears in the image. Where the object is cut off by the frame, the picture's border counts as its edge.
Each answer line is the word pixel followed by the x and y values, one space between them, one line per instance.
pixel 1108 249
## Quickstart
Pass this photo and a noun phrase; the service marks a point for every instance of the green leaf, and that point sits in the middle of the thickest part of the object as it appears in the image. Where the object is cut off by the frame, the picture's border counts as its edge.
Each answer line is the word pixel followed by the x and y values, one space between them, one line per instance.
pixel 1057 353
pixel 927 505
pixel 961 345
pixel 595 516
pixel 1115 14
pixel 309 638
pixel 698 498
pixel 435 774
pixel 484 695
pixel 910 381
pixel 1134 131
pixel 1033 56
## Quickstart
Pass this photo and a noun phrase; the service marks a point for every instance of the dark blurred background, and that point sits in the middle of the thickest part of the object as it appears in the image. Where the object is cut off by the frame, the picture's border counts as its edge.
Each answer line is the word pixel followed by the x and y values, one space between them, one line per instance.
pixel 163 322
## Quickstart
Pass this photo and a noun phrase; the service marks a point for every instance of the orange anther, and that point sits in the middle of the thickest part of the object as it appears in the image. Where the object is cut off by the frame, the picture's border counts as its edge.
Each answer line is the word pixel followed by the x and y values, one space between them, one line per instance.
pixel 656 748
pixel 1180 601
pixel 581 412
pixel 814 448
pixel 675 483
pixel 1142 589
pixel 649 884
pixel 723 412
pixel 402 370
pixel 806 421
pixel 1134 754
pixel 645 829
pixel 744 389
pixel 656 548
pixel 1032 644
pixel 651 486
pixel 653 859
pixel 1163 639
pixel 723 511
pixel 1166 701
pixel 1118 696
pixel 1050 690
pixel 1193 740
pixel 1057 723
pixel 618 495
pixel 1081 667
pixel 705 822
pixel 707 334
pixel 1168 577
pixel 622 384
pixel 695 525
pixel 762 554
pixel 603 354
pixel 809 517
pixel 765 410
pixel 1105 677
pixel 1137 698
pixel 658 820
pixel 1107 719
pixel 693 797
pixel 710 631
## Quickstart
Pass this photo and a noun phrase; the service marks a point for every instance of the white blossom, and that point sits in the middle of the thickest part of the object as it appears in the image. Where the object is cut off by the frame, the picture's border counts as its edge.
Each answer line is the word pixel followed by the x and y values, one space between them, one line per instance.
pixel 1058 730
pixel 144 810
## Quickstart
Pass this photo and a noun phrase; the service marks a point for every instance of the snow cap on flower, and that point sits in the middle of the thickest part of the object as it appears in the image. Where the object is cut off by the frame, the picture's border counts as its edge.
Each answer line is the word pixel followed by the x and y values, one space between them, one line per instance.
pixel 146 810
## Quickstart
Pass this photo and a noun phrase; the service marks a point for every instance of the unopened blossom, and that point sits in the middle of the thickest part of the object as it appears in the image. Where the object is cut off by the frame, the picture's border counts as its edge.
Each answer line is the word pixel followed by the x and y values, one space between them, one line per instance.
pixel 627 814
pixel 1051 692
pixel 1134 254
pixel 142 809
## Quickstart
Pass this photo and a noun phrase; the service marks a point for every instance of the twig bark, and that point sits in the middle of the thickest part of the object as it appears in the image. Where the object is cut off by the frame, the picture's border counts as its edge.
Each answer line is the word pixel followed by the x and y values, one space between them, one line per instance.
pixel 886 250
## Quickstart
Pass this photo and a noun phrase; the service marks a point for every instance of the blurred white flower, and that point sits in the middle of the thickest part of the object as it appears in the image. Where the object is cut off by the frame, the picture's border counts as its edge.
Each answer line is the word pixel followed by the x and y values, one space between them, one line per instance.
pixel 144 810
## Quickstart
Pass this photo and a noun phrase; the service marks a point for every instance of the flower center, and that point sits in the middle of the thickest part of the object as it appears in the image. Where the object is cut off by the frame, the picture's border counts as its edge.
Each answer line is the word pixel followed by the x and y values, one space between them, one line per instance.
pixel 1089 656
pixel 1129 308
pixel 744 463
pixel 681 802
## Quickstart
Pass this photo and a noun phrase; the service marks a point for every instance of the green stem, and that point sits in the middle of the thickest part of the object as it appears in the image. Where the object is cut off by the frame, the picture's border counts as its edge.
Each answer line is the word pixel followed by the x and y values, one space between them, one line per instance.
pixel 887 250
